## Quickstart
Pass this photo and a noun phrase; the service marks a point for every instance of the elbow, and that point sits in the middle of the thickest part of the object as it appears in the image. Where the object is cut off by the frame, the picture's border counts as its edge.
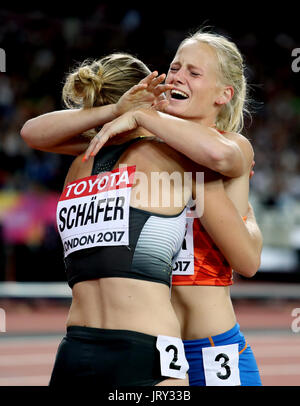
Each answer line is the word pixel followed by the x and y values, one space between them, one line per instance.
pixel 254 261
pixel 227 161
pixel 217 158
pixel 249 272
pixel 31 134
pixel 220 164
pixel 249 268
pixel 26 133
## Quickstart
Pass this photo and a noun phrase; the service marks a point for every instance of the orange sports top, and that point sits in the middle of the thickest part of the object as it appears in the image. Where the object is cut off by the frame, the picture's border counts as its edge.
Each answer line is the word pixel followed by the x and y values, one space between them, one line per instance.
pixel 210 266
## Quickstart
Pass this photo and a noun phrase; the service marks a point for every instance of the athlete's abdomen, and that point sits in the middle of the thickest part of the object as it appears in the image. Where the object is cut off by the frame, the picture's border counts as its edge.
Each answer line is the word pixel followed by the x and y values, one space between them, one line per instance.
pixel 136 306
pixel 203 310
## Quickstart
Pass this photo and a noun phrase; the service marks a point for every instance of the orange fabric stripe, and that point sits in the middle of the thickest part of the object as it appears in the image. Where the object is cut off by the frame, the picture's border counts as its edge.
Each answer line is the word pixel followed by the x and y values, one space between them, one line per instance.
pixel 243 348
pixel 213 344
pixel 211 341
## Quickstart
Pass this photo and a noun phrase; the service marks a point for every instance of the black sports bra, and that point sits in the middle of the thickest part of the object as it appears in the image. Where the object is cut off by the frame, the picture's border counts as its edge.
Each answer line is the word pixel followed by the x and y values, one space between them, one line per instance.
pixel 153 243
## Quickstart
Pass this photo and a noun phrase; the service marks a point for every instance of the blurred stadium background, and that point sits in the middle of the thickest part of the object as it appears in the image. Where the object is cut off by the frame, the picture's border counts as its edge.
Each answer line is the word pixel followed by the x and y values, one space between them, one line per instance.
pixel 40 45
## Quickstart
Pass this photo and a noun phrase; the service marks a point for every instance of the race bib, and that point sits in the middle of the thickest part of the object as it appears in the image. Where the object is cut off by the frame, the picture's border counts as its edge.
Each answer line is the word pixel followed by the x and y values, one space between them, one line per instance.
pixel 172 357
pixel 184 262
pixel 94 211
pixel 221 365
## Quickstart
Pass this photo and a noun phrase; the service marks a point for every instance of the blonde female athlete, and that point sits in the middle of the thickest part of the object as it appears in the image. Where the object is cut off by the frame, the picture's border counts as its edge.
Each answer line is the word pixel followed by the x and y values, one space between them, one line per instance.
pixel 121 327
pixel 202 144
pixel 206 102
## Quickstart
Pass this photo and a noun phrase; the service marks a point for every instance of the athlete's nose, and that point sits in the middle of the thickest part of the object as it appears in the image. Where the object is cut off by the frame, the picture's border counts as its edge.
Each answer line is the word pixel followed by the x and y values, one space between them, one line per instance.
pixel 178 77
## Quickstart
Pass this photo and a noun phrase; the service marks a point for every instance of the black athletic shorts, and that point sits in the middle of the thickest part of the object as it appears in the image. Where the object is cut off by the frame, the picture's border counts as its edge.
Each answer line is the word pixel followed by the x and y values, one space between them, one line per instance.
pixel 103 357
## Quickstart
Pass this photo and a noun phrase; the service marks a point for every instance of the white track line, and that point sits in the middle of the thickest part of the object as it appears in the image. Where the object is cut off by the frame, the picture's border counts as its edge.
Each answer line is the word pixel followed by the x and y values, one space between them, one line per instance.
pixel 29 342
pixel 26 359
pixel 280 369
pixel 275 351
pixel 40 380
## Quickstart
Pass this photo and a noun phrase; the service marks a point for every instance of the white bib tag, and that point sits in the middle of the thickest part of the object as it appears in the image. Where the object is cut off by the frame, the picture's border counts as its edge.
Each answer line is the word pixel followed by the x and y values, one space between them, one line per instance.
pixel 184 262
pixel 172 357
pixel 94 211
pixel 221 365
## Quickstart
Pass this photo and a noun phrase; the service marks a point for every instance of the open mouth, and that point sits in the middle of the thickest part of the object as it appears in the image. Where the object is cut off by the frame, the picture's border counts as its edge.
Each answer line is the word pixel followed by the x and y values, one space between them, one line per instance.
pixel 178 95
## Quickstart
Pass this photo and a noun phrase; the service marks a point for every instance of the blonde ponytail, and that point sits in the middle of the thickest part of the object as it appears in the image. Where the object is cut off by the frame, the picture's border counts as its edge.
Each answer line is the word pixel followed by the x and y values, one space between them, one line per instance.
pixel 101 82
pixel 83 86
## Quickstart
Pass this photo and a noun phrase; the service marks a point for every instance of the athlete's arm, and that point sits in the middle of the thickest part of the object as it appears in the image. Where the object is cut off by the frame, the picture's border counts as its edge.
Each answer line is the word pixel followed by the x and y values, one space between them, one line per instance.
pixel 240 243
pixel 202 144
pixel 60 131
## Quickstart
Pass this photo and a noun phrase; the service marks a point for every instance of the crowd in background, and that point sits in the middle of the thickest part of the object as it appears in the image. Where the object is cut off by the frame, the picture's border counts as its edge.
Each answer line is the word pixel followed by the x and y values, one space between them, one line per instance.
pixel 41 47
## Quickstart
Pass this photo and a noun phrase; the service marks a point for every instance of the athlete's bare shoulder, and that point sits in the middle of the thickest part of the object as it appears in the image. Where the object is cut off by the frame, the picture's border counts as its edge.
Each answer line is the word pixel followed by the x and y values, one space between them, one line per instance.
pixel 244 144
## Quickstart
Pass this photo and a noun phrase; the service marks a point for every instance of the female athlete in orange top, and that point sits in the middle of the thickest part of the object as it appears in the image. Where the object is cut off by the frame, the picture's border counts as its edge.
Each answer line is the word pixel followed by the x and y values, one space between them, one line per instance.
pixel 209 92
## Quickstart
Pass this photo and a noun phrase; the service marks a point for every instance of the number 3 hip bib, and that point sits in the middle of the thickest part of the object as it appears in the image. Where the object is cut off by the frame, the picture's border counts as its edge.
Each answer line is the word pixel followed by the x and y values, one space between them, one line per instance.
pixel 221 365
pixel 94 211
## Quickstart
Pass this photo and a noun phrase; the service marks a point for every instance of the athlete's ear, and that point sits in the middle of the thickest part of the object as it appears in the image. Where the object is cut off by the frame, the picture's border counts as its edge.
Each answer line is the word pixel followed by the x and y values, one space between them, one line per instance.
pixel 225 95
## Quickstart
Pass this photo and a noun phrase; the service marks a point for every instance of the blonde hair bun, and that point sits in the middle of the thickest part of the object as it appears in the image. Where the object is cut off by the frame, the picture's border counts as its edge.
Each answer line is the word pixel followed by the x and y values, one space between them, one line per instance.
pixel 100 82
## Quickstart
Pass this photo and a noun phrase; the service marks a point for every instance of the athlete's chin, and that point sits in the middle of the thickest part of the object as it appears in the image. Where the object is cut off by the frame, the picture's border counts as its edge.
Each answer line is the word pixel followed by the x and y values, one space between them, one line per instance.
pixel 173 111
